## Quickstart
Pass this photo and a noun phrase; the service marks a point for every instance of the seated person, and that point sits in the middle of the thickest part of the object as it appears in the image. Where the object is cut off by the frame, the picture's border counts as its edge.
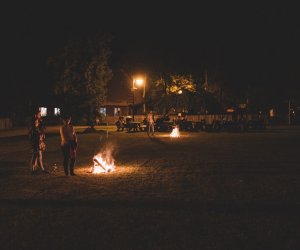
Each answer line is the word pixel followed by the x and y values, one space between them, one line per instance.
pixel 166 118
pixel 144 122
pixel 120 123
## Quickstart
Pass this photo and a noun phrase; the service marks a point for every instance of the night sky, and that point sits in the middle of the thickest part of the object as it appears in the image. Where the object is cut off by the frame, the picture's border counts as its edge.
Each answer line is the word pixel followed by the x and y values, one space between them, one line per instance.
pixel 251 44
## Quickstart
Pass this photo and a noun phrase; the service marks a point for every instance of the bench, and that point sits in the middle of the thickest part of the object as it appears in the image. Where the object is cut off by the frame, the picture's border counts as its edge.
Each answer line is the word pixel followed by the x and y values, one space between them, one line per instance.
pixel 143 127
pixel 134 127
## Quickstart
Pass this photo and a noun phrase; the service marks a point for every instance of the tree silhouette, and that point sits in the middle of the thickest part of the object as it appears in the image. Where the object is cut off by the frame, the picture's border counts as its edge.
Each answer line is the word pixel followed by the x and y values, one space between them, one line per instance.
pixel 171 91
pixel 80 75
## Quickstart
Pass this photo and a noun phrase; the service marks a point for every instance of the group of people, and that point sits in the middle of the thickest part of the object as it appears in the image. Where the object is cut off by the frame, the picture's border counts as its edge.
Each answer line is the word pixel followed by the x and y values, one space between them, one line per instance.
pixel 68 144
pixel 149 121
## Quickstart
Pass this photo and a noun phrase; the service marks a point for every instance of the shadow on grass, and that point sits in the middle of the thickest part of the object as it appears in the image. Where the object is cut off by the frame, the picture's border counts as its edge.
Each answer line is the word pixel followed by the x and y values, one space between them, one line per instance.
pixel 287 208
pixel 93 131
pixel 157 140
pixel 256 171
pixel 10 168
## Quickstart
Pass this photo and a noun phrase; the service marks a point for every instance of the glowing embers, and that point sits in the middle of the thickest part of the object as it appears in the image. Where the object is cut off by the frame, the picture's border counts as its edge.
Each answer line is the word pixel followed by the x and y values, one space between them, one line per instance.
pixel 175 133
pixel 103 163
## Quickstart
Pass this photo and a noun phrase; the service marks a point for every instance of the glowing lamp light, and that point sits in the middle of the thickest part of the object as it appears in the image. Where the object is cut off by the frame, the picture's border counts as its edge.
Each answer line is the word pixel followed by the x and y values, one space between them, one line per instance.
pixel 230 110
pixel 139 82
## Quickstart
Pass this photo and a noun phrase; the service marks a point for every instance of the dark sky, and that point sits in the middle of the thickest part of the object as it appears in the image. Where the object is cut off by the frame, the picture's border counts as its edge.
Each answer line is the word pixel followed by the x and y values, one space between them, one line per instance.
pixel 252 44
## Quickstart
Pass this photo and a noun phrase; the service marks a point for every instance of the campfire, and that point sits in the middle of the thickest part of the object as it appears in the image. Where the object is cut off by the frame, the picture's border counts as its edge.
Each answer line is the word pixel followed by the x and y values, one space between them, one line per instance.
pixel 175 132
pixel 103 163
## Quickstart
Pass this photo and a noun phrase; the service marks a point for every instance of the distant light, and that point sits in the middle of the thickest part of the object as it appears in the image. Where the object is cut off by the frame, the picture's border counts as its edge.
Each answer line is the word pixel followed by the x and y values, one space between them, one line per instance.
pixel 43 111
pixel 139 82
pixel 56 111
pixel 180 92
pixel 117 111
pixel 102 111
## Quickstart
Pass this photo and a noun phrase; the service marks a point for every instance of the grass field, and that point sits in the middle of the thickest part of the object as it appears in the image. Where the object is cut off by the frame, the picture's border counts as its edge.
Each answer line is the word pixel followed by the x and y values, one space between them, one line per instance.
pixel 200 191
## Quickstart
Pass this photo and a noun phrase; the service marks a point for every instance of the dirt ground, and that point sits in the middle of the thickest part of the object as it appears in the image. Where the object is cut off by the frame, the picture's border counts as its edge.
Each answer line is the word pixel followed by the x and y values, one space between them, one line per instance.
pixel 200 191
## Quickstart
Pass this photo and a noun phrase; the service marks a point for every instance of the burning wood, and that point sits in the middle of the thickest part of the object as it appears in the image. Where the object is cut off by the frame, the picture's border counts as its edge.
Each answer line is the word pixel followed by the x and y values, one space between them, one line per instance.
pixel 175 132
pixel 97 163
pixel 102 165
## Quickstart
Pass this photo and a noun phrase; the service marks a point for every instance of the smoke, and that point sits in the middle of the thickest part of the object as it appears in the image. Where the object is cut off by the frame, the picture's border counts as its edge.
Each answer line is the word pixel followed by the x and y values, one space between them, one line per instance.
pixel 108 150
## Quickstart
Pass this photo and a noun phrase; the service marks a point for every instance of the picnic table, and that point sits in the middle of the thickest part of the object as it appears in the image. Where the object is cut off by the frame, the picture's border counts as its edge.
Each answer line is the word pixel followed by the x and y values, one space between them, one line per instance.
pixel 136 126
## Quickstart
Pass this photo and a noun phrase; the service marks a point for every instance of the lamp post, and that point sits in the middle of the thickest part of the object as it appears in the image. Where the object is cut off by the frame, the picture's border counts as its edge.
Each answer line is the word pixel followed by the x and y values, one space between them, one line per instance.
pixel 138 82
pixel 179 92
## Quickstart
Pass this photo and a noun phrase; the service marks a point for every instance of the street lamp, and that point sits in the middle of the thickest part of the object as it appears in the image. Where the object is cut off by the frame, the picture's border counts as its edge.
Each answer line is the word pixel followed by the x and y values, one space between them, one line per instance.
pixel 137 82
pixel 140 82
pixel 179 92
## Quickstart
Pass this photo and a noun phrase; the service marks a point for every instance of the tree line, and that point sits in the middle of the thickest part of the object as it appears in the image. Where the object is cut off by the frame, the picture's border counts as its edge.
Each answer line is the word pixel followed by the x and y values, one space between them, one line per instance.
pixel 80 74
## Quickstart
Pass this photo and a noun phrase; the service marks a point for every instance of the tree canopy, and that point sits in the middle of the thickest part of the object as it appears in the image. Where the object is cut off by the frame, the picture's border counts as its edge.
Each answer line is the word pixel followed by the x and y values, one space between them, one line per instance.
pixel 80 74
pixel 171 92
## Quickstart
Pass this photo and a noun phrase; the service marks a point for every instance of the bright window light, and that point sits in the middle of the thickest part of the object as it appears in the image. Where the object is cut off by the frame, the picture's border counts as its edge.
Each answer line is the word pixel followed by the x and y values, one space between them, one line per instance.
pixel 116 111
pixel 56 111
pixel 102 111
pixel 43 111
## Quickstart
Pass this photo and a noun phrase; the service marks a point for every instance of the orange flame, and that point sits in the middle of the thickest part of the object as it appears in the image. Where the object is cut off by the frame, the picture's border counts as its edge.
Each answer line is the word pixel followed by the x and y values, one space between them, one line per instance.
pixel 103 164
pixel 175 133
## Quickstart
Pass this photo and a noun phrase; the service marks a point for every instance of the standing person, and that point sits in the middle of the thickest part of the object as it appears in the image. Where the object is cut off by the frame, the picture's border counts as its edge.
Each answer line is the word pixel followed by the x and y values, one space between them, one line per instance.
pixel 68 145
pixel 38 116
pixel 41 122
pixel 150 121
pixel 37 139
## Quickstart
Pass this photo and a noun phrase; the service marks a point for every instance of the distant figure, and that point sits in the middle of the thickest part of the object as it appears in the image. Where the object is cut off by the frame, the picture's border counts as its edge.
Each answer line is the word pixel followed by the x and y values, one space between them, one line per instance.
pixel 120 123
pixel 150 121
pixel 37 140
pixel 68 145
pixel 166 117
